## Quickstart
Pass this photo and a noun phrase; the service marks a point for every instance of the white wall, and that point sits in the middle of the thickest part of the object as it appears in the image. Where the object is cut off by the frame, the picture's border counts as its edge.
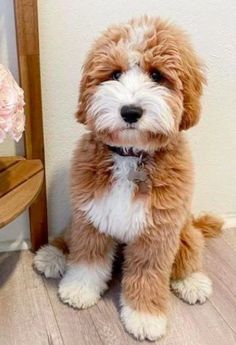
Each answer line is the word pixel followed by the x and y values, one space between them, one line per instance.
pixel 19 229
pixel 67 29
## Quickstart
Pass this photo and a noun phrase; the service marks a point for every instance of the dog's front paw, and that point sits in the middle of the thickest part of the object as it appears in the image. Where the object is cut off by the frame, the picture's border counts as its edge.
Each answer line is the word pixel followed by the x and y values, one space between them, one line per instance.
pixel 196 288
pixel 143 325
pixel 81 287
pixel 77 295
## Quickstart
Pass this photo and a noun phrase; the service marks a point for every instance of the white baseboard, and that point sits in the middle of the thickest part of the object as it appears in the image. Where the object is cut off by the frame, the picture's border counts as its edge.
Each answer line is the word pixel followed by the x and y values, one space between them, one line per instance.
pixel 9 246
pixel 230 220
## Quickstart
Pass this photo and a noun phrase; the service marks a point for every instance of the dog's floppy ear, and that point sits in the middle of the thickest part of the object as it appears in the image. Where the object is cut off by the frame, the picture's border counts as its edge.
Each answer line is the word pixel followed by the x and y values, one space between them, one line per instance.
pixel 81 111
pixel 193 80
pixel 85 84
pixel 80 114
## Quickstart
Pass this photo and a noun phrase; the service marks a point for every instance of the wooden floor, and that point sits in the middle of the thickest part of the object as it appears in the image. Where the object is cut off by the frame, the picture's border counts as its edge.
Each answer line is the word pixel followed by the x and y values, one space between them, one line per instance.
pixel 31 314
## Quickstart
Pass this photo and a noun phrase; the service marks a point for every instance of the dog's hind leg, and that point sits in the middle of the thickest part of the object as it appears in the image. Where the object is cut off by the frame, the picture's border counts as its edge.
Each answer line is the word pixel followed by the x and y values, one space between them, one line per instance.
pixel 188 281
pixel 50 259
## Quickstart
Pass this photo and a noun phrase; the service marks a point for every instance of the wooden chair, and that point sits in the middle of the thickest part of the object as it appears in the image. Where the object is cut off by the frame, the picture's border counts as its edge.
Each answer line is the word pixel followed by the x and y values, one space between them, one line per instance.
pixel 22 179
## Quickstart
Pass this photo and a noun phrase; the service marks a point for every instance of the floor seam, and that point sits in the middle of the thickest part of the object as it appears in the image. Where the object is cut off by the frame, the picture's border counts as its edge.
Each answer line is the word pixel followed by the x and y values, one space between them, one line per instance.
pixel 222 317
pixel 45 286
pixel 96 328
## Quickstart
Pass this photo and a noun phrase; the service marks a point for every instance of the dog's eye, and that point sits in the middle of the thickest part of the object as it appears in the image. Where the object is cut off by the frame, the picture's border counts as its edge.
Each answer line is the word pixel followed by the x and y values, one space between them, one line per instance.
pixel 116 75
pixel 156 76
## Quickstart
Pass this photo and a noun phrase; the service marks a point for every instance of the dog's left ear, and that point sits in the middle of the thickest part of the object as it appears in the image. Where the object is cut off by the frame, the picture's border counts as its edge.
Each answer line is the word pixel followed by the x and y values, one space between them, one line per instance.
pixel 81 111
pixel 193 80
pixel 81 114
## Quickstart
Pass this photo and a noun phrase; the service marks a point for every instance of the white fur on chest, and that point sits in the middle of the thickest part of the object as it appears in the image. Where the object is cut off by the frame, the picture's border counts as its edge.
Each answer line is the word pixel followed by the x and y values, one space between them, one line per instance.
pixel 116 213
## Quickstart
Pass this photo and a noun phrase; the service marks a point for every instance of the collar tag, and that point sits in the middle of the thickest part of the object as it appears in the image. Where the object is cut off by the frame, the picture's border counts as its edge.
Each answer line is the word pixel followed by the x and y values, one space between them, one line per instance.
pixel 137 175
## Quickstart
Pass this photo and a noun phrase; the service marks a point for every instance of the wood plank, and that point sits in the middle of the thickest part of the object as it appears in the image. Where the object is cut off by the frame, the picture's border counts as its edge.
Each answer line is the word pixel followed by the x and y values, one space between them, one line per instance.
pixel 18 173
pixel 31 312
pixel 6 162
pixel 193 325
pixel 26 314
pixel 15 202
pixel 76 326
pixel 106 318
pixel 224 284
pixel 223 254
pixel 29 69
pixel 178 321
pixel 97 325
pixel 230 237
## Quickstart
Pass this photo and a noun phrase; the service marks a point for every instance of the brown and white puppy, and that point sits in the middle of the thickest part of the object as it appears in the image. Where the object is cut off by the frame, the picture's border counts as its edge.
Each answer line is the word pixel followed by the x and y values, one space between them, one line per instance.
pixel 140 89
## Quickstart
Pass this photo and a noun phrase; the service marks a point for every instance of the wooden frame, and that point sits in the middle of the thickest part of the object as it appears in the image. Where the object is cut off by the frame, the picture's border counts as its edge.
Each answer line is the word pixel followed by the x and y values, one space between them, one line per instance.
pixel 26 17
pixel 20 183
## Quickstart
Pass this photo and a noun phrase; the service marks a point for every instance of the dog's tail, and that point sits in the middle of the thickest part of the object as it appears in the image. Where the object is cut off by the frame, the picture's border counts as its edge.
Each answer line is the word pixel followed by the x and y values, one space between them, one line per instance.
pixel 50 259
pixel 209 225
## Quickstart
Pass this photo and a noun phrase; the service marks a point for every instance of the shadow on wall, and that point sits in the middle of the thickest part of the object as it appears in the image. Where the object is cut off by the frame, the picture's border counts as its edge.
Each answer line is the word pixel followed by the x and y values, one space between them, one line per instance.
pixel 58 201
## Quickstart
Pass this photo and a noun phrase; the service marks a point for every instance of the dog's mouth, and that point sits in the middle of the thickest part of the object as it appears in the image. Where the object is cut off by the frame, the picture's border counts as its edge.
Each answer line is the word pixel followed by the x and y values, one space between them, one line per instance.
pixel 129 127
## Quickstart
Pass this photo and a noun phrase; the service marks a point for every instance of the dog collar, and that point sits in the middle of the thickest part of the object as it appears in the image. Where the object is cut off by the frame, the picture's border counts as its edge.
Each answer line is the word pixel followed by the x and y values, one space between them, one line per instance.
pixel 127 152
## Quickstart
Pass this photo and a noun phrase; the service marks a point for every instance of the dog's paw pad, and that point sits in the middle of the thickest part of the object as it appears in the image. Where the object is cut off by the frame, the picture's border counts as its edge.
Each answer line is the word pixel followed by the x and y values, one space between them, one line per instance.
pixel 143 325
pixel 196 288
pixel 50 261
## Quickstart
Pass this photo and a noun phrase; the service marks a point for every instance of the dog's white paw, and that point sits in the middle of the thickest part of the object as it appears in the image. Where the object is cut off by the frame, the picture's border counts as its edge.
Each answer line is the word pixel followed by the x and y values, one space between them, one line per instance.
pixel 143 325
pixel 77 295
pixel 50 261
pixel 195 288
pixel 82 285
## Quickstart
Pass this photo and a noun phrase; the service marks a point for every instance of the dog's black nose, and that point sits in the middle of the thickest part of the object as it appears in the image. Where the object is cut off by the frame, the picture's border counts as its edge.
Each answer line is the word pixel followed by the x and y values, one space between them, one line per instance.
pixel 131 113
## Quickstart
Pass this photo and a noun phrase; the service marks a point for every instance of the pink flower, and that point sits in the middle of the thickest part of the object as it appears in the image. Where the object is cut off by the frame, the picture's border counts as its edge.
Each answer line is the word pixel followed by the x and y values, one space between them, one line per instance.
pixel 12 118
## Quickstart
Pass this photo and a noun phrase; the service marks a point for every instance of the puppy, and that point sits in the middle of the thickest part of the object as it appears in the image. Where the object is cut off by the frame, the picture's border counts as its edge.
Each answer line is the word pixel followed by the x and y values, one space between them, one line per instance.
pixel 132 178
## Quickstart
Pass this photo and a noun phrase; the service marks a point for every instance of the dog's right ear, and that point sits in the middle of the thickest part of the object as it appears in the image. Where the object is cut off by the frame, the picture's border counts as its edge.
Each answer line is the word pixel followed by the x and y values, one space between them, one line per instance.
pixel 85 88
pixel 80 114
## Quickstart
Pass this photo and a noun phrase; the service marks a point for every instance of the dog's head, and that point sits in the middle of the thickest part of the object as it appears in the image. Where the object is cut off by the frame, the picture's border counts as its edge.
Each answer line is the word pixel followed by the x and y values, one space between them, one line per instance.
pixel 141 85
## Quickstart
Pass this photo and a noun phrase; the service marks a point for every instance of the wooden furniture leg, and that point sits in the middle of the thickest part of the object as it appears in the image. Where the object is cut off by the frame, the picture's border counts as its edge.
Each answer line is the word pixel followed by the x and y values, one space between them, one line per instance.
pixel 26 17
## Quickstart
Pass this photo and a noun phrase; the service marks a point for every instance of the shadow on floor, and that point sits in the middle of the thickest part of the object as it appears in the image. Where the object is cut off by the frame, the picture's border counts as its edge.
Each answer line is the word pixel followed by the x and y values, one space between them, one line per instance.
pixel 8 263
